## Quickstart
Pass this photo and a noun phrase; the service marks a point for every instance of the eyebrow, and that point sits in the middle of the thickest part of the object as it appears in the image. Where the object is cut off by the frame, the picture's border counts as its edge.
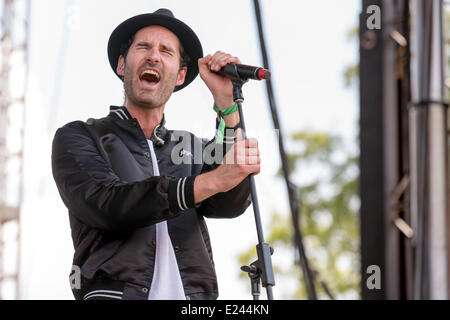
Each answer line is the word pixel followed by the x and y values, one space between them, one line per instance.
pixel 167 48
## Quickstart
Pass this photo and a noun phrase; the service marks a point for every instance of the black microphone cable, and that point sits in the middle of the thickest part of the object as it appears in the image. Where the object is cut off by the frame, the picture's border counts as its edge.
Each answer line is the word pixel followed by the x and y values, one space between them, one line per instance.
pixel 292 189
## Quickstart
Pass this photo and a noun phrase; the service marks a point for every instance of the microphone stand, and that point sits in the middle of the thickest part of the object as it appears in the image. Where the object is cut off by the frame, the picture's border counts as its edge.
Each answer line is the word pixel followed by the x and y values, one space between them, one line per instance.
pixel 260 270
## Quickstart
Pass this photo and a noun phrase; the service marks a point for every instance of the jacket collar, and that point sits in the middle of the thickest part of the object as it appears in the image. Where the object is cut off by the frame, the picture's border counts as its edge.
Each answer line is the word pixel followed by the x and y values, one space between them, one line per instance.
pixel 123 114
pixel 159 134
pixel 120 113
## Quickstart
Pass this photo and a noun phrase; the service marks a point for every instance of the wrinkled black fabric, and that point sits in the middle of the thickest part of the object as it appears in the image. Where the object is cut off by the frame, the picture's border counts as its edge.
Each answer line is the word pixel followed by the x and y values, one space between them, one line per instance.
pixel 106 181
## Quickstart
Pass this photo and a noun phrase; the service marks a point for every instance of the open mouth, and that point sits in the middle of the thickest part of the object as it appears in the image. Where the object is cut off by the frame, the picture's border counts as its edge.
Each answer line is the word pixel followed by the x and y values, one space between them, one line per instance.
pixel 151 76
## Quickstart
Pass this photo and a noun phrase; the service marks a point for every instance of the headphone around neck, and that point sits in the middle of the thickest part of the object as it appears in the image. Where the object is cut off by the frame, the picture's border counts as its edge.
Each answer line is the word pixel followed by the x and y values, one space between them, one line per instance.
pixel 159 134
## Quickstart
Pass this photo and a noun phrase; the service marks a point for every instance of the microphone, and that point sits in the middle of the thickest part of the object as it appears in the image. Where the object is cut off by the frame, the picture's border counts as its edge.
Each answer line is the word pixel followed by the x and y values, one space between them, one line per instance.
pixel 242 72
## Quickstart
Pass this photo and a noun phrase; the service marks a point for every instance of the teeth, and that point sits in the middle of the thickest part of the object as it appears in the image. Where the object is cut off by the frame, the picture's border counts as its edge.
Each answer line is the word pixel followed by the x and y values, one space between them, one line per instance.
pixel 150 72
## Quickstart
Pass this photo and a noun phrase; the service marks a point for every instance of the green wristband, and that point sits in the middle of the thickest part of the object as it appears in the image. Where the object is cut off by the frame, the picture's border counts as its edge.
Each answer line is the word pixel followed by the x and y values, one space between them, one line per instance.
pixel 227 111
pixel 221 129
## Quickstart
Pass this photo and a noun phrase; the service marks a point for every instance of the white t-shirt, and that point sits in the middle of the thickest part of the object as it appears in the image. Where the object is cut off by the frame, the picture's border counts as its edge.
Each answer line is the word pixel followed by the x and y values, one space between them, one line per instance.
pixel 166 284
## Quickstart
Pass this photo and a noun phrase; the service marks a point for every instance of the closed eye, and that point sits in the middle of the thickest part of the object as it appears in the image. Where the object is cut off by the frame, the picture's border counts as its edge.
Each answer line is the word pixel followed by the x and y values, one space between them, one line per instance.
pixel 142 45
pixel 168 50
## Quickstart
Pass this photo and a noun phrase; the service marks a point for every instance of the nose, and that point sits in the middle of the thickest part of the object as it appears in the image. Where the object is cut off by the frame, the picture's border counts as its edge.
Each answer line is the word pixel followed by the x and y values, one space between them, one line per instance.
pixel 153 55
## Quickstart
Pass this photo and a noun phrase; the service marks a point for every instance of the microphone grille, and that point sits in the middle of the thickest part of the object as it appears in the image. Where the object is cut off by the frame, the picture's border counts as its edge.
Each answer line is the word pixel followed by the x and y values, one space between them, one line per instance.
pixel 264 74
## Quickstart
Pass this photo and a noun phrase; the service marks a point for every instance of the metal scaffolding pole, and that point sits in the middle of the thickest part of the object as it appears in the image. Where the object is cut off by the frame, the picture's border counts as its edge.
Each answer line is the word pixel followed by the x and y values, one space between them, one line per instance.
pixel 429 173
pixel 404 151
pixel 13 74
pixel 384 94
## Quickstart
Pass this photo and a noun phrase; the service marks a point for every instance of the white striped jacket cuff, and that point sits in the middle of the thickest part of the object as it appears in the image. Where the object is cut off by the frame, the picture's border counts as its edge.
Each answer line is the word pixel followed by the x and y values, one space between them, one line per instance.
pixel 181 194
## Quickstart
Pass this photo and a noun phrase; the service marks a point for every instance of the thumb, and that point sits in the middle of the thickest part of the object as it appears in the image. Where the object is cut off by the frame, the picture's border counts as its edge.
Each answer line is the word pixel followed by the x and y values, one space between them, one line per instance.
pixel 239 134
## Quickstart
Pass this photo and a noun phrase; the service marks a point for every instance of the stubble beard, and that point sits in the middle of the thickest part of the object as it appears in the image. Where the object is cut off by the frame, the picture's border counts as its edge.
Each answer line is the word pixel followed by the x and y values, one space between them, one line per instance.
pixel 159 97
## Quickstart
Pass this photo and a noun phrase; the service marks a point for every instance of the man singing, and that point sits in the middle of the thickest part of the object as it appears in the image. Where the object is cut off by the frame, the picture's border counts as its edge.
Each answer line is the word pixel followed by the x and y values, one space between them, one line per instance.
pixel 136 211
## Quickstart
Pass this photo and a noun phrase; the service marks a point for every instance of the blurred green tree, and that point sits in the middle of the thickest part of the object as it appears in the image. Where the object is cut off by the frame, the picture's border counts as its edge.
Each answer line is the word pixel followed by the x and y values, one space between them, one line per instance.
pixel 329 212
pixel 351 73
pixel 329 219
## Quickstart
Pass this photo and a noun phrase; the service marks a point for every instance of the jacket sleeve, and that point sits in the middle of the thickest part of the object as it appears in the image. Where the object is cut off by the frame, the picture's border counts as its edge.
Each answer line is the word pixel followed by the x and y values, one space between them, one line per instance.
pixel 234 202
pixel 230 204
pixel 95 195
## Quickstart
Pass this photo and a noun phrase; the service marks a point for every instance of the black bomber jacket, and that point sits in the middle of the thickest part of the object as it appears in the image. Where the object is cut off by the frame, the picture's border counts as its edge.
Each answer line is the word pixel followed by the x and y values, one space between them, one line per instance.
pixel 104 174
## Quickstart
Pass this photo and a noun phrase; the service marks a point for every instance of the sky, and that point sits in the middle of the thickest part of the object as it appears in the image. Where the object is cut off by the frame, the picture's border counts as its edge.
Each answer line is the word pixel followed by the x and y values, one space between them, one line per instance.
pixel 70 79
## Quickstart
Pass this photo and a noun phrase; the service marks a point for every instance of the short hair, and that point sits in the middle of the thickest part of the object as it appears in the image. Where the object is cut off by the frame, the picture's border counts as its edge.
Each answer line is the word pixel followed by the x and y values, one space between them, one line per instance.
pixel 184 58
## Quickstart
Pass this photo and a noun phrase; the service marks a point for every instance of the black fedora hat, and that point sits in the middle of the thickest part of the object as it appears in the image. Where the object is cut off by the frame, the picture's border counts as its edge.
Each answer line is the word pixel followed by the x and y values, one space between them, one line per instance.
pixel 166 19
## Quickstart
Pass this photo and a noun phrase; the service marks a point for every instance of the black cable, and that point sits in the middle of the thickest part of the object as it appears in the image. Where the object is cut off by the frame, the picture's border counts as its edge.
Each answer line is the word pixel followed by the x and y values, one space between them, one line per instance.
pixel 292 189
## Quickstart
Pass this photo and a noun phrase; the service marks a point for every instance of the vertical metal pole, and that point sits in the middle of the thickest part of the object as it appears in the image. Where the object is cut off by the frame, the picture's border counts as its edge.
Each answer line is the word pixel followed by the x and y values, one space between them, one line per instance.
pixel 26 63
pixel 429 157
pixel 417 148
pixel 372 164
pixel 438 174
pixel 262 249
pixel 13 11
pixel 5 102
pixel 291 188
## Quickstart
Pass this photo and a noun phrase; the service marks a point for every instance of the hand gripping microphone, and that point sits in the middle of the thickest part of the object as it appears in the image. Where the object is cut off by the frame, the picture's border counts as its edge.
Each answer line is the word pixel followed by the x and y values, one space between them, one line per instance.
pixel 242 72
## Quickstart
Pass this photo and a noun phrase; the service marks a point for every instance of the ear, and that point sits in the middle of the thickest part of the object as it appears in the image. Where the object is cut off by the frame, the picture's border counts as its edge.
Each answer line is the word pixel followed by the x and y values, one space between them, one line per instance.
pixel 181 76
pixel 121 66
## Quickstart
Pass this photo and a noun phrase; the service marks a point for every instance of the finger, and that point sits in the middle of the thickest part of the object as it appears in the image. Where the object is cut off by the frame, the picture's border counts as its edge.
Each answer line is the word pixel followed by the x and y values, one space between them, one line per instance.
pixel 224 57
pixel 234 60
pixel 203 64
pixel 218 61
pixel 239 134
pixel 251 152
pixel 247 160
pixel 226 60
pixel 205 60
pixel 253 169
pixel 246 148
pixel 251 143
pixel 253 160
pixel 241 159
pixel 240 145
pixel 214 57
pixel 221 59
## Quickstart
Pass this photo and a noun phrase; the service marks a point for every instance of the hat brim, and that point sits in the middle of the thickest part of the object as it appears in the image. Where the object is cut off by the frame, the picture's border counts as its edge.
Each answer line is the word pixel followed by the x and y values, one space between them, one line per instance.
pixel 185 34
